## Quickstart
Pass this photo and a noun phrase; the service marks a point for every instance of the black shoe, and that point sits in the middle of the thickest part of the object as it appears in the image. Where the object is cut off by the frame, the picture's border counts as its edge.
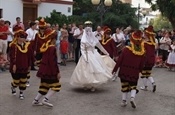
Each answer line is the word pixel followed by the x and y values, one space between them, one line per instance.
pixel 13 91
pixel 154 88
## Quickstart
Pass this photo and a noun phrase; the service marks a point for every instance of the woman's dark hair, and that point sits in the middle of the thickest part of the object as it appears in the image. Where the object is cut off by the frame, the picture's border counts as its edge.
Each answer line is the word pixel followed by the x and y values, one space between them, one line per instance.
pixel 7 22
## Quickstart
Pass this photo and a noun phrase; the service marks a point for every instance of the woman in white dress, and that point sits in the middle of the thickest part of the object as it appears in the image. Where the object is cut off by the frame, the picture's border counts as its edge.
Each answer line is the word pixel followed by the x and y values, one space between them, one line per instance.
pixel 92 69
pixel 171 57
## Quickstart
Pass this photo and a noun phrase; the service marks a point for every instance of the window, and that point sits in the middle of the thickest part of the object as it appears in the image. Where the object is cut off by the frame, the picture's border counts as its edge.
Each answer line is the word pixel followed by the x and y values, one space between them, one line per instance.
pixel 69 9
pixel 0 13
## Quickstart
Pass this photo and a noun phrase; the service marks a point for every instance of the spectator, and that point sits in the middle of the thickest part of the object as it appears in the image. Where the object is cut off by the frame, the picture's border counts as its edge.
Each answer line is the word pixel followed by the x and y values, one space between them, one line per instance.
pixel 3 62
pixel 10 36
pixel 64 47
pixel 4 32
pixel 165 43
pixel 19 23
pixel 71 41
pixel 78 33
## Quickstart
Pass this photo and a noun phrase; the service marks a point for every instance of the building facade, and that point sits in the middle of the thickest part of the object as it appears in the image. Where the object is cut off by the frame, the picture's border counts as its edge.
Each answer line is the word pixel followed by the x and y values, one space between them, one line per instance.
pixel 31 9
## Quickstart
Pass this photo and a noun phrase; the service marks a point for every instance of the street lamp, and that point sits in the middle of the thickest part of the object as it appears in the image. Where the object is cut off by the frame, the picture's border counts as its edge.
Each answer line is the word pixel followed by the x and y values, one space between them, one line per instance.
pixel 138 16
pixel 102 7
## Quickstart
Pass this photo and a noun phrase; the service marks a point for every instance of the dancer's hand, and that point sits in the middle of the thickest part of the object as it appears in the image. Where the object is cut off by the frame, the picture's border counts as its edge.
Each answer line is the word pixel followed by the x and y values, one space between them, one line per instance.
pixel 58 76
pixel 14 68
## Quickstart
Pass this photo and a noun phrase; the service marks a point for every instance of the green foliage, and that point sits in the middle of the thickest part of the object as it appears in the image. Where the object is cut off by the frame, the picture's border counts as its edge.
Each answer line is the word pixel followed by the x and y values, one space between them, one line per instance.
pixel 118 15
pixel 161 22
pixel 166 7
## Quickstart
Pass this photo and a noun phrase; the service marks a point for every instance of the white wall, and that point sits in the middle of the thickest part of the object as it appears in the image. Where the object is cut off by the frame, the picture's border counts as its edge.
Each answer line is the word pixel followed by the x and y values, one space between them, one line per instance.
pixel 11 9
pixel 44 9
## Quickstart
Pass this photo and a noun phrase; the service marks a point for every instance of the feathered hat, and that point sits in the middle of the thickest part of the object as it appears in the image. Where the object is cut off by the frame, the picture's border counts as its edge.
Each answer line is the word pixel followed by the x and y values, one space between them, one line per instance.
pixel 18 31
pixel 50 33
pixel 136 43
pixel 149 32
pixel 107 30
pixel 42 23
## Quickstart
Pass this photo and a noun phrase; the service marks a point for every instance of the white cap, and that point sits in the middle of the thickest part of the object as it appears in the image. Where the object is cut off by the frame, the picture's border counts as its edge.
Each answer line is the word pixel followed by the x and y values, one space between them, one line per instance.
pixel 1 19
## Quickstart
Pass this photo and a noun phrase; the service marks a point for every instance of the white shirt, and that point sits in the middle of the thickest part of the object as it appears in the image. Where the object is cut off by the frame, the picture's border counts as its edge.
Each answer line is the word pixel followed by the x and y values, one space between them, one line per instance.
pixel 98 35
pixel 120 37
pixel 77 32
pixel 165 43
pixel 31 34
pixel 10 37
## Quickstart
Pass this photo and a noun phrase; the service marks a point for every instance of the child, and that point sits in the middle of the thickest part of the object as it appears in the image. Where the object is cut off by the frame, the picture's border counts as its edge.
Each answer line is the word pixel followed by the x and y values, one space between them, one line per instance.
pixel 20 61
pixel 3 62
pixel 64 47
pixel 131 62
pixel 149 39
pixel 171 57
pixel 48 71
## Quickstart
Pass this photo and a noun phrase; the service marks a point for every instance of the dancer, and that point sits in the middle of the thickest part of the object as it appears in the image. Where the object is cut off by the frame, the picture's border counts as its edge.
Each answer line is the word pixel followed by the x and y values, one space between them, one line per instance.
pixel 130 62
pixel 48 71
pixel 40 39
pixel 91 70
pixel 20 60
pixel 171 57
pixel 149 38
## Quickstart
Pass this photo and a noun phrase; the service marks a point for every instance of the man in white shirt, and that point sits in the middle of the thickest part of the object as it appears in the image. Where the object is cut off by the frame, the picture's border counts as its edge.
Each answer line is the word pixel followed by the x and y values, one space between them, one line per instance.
pixel 98 33
pixel 31 32
pixel 119 39
pixel 118 36
pixel 78 33
pixel 31 38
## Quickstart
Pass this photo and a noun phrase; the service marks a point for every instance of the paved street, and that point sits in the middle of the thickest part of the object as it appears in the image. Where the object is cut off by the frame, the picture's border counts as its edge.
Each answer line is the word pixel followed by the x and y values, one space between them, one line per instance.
pixel 105 101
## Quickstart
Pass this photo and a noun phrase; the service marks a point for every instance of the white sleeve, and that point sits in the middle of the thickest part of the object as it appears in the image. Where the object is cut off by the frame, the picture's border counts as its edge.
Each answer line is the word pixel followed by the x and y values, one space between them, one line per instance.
pixel 28 37
pixel 101 48
pixel 162 40
pixel 84 52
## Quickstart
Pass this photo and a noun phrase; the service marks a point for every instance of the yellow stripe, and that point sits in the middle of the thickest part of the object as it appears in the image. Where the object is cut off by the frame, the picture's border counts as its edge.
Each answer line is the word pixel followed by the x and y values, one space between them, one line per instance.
pixel 16 81
pixel 124 89
pixel 14 84
pixel 133 87
pixel 125 83
pixel 23 79
pixel 43 90
pixel 22 85
pixel 56 89
pixel 50 85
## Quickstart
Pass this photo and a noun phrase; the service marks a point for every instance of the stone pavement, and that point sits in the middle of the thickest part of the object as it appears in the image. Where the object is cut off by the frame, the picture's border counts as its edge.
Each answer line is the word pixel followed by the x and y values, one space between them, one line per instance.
pixel 105 101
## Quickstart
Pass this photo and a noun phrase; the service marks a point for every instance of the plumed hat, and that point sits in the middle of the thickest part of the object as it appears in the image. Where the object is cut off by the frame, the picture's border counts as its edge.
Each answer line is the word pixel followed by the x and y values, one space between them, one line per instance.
pixel 107 30
pixel 51 34
pixel 18 31
pixel 42 23
pixel 150 30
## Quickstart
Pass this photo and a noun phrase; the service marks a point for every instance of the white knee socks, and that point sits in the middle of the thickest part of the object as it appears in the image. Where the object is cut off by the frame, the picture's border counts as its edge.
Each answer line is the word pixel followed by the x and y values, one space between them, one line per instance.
pixel 49 94
pixel 145 83
pixel 151 79
pixel 133 93
pixel 38 97
pixel 124 96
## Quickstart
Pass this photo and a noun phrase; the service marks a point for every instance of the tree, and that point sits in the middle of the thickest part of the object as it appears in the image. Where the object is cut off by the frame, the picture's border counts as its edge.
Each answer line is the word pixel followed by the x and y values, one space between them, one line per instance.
pixel 161 23
pixel 119 14
pixel 166 7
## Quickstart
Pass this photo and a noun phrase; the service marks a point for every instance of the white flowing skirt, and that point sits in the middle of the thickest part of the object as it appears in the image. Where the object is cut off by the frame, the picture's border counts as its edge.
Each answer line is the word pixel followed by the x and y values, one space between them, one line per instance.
pixel 97 71
pixel 171 59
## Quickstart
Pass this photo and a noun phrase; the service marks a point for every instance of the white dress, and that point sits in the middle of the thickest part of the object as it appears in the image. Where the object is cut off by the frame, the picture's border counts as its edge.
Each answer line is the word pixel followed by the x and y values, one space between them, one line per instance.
pixel 171 56
pixel 92 69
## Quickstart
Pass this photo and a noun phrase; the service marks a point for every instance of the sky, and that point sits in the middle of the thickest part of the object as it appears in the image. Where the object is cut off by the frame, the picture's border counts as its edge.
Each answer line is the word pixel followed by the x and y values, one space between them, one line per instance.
pixel 142 3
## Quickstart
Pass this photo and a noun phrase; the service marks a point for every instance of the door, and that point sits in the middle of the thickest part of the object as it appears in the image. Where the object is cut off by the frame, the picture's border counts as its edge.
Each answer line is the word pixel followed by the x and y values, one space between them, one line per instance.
pixel 29 13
